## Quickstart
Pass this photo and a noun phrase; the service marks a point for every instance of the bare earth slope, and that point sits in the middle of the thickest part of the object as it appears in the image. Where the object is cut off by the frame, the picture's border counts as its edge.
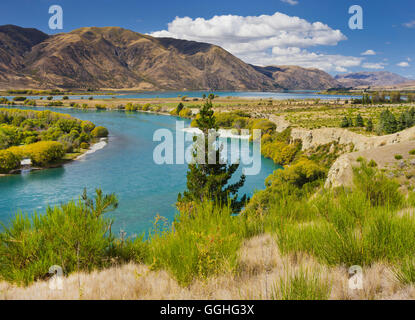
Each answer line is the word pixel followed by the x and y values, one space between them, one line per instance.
pixel 296 78
pixel 113 57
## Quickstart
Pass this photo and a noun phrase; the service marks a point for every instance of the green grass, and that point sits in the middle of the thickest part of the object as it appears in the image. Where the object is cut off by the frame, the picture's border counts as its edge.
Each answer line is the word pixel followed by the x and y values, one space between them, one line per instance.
pixel 405 272
pixel 203 242
pixel 301 285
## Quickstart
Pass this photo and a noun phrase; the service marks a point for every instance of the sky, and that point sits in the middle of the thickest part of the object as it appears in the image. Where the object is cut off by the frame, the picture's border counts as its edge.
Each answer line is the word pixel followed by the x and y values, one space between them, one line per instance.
pixel 309 33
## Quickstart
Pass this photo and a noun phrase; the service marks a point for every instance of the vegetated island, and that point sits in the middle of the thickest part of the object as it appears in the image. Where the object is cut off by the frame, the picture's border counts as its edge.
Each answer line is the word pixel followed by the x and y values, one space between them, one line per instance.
pixel 42 139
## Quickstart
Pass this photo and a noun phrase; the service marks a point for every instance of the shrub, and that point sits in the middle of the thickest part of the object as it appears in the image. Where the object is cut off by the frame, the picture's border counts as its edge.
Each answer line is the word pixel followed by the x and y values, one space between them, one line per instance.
pixel 204 242
pixel 379 190
pixel 100 132
pixel 87 126
pixel 19 98
pixel 264 125
pixel 398 157
pixel 73 235
pixel 41 153
pixel 185 113
pixel 8 161
pixel 84 145
pixel 412 152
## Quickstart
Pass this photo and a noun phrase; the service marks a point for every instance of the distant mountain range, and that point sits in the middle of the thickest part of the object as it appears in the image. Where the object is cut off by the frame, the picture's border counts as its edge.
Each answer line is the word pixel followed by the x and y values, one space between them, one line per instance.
pixel 116 58
pixel 370 79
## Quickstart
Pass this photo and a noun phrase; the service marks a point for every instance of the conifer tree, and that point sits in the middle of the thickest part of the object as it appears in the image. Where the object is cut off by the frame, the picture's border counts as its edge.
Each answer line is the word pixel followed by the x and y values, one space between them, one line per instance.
pixel 208 181
pixel 359 121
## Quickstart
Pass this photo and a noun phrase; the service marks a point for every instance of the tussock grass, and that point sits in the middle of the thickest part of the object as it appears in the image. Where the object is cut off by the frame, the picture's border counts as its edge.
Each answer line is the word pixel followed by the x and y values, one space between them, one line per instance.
pixel 301 285
pixel 202 243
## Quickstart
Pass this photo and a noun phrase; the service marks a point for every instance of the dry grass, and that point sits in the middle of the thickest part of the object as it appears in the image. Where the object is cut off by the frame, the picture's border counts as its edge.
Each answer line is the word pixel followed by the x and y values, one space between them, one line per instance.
pixel 261 265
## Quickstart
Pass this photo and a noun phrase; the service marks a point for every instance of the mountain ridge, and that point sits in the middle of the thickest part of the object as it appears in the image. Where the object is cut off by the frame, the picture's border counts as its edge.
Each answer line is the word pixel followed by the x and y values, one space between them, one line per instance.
pixel 117 58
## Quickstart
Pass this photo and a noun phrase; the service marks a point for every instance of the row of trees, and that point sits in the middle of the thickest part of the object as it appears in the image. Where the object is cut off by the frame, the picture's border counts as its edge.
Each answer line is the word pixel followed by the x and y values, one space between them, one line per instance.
pixel 384 97
pixel 387 122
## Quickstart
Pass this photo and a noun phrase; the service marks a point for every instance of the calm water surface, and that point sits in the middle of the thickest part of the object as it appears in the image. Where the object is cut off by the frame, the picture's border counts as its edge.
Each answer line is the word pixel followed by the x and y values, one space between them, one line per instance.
pixel 125 166
pixel 298 94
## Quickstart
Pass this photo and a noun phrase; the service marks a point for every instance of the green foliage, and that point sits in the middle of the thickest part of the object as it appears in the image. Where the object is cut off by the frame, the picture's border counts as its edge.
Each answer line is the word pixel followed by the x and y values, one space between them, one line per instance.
pixel 405 271
pixel 202 243
pixel 8 161
pixel 74 236
pixel 302 285
pixel 378 189
pixel 185 113
pixel 359 121
pixel 41 153
pixel 100 132
pixel 398 157
pixel 207 180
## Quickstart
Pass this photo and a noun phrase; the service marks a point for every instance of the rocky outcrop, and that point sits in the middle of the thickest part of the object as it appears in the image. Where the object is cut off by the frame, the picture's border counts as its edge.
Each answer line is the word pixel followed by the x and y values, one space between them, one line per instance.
pixel 379 148
pixel 314 138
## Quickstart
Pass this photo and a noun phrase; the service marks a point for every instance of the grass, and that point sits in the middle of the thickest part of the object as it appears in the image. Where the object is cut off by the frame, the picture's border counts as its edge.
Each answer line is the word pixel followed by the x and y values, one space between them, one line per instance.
pixel 302 284
pixel 203 243
pixel 338 228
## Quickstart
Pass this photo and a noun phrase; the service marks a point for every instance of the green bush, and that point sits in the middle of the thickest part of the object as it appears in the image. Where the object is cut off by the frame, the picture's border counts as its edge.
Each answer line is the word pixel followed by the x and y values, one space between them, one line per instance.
pixel 204 242
pixel 71 235
pixel 8 161
pixel 100 132
pixel 41 153
pixel 398 157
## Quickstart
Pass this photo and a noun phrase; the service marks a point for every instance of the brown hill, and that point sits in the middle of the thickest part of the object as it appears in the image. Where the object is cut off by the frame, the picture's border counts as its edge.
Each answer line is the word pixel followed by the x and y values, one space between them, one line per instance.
pixel 294 77
pixel 113 57
pixel 116 58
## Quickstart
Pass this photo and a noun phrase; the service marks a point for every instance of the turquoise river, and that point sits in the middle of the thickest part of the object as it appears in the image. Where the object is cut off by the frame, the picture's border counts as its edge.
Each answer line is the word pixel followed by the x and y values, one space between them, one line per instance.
pixel 125 166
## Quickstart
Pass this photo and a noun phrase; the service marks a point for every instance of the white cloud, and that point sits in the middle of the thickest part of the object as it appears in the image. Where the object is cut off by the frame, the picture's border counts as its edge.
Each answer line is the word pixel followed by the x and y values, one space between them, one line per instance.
pixel 291 2
pixel 403 64
pixel 369 53
pixel 265 39
pixel 375 66
pixel 410 24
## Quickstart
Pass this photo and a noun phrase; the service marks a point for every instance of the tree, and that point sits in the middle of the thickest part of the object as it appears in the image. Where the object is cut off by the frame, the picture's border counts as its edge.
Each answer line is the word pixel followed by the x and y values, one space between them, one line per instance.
pixel 359 121
pixel 387 122
pixel 369 125
pixel 207 181
pixel 344 123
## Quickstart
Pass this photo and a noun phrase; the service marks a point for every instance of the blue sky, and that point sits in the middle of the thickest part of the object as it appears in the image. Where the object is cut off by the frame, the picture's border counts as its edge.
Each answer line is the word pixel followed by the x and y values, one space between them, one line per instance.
pixel 254 32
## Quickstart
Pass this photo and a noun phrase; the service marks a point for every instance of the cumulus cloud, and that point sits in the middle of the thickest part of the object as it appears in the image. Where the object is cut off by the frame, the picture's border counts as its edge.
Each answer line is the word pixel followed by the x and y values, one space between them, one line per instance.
pixel 369 53
pixel 291 2
pixel 375 66
pixel 403 64
pixel 265 39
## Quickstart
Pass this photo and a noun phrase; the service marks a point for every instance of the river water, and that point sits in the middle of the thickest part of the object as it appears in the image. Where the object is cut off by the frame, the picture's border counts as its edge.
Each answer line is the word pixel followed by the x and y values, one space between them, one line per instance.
pixel 125 166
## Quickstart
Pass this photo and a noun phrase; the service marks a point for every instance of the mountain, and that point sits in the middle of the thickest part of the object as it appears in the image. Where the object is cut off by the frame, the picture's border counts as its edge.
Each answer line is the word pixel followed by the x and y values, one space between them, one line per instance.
pixel 15 42
pixel 294 77
pixel 113 57
pixel 116 58
pixel 370 79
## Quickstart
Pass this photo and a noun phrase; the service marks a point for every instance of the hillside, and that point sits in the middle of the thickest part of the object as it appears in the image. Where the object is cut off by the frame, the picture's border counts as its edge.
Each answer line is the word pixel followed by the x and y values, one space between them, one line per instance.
pixel 116 58
pixel 294 77
pixel 370 79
